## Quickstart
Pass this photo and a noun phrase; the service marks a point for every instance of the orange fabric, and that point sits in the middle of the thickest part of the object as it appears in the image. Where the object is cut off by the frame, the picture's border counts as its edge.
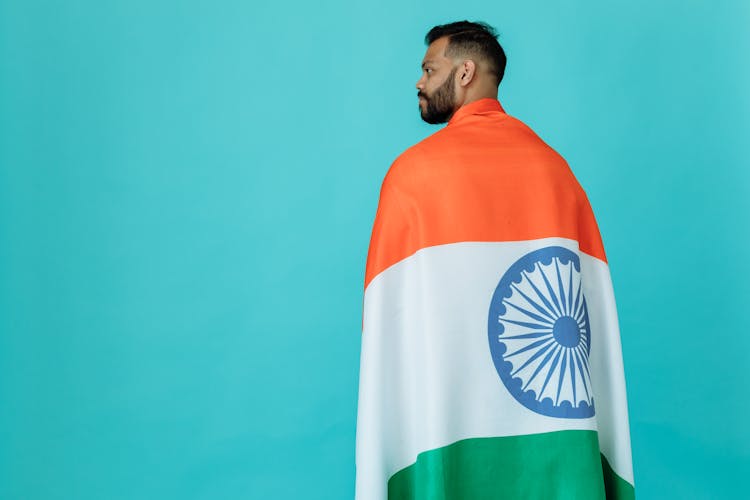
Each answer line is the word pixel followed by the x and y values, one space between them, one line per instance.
pixel 486 176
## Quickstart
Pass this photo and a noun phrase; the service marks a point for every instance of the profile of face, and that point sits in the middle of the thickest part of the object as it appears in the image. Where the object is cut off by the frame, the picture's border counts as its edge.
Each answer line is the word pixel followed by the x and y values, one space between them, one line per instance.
pixel 436 86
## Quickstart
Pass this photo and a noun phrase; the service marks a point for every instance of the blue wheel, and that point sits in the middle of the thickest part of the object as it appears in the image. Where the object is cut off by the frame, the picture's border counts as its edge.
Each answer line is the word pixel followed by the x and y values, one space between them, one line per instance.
pixel 539 334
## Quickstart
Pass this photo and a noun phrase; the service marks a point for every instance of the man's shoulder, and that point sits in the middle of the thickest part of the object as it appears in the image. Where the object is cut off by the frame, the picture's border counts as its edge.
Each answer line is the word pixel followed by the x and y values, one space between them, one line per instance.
pixel 417 158
pixel 468 140
pixel 472 134
pixel 407 165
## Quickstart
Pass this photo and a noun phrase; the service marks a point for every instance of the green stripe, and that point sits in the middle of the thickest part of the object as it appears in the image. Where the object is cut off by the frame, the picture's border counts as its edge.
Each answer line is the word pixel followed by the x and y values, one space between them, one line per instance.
pixel 550 466
pixel 615 486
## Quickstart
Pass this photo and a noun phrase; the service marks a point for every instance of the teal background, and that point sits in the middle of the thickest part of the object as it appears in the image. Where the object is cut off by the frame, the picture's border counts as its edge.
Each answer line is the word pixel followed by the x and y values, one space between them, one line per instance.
pixel 187 191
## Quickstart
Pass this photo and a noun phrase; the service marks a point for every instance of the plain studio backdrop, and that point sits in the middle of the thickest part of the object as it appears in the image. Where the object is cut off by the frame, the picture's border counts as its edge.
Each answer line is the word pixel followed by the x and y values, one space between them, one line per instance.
pixel 187 191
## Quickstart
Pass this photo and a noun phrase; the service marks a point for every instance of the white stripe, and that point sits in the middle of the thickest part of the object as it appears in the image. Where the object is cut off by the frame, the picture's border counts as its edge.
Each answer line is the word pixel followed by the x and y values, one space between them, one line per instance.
pixel 427 378
pixel 608 376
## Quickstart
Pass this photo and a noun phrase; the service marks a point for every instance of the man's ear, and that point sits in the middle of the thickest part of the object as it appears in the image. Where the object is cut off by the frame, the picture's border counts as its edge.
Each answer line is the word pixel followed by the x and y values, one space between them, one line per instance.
pixel 467 70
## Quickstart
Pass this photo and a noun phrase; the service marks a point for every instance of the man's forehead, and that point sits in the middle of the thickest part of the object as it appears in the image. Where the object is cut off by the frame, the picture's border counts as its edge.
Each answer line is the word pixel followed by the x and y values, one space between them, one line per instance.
pixel 435 51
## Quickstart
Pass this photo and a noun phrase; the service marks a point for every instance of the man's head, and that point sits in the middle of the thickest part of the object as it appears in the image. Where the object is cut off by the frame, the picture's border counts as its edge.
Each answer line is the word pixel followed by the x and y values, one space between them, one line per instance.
pixel 464 62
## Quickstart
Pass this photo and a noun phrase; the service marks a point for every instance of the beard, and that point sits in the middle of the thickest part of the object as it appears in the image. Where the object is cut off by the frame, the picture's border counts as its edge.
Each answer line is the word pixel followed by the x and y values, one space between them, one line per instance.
pixel 441 104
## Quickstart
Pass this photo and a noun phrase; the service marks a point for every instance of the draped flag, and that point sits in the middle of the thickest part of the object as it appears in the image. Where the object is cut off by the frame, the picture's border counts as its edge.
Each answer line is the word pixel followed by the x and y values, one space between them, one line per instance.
pixel 491 364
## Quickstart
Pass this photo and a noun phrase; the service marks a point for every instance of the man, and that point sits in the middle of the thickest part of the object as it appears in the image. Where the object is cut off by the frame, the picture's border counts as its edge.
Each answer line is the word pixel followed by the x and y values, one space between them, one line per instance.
pixel 491 364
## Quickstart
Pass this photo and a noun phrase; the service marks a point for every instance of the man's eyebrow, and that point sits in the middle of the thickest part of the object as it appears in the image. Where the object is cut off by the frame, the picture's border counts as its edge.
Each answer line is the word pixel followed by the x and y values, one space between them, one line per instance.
pixel 427 61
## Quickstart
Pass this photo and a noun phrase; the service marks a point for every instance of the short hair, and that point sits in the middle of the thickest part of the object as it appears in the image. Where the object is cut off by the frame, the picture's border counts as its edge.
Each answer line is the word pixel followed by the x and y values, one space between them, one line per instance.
pixel 471 39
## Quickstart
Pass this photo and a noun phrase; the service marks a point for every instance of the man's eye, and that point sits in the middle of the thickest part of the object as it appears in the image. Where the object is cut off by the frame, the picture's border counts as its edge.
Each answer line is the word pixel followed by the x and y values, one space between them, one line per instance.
pixel 428 70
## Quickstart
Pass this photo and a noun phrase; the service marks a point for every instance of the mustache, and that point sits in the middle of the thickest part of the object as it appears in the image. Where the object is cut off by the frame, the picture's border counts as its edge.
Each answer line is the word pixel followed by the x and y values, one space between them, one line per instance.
pixel 420 94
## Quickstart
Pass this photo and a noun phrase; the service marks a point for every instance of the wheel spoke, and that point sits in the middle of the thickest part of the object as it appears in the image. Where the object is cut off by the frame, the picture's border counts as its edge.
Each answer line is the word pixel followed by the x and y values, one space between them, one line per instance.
pixel 558 309
pixel 533 326
pixel 550 308
pixel 570 289
pixel 551 370
pixel 573 377
pixel 533 303
pixel 527 312
pixel 563 300
pixel 541 365
pixel 577 355
pixel 528 347
pixel 534 335
pixel 541 351
pixel 562 375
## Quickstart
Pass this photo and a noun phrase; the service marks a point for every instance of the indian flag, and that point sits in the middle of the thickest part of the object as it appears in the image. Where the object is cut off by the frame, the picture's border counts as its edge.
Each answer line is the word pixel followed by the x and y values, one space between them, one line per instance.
pixel 491 364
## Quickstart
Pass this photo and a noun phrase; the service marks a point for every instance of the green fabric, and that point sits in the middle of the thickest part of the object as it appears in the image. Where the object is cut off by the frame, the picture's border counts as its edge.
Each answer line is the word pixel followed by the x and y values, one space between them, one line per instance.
pixel 615 486
pixel 551 466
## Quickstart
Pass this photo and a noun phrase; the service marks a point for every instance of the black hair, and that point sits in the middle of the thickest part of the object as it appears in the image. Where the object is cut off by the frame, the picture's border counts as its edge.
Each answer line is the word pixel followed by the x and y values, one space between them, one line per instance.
pixel 471 39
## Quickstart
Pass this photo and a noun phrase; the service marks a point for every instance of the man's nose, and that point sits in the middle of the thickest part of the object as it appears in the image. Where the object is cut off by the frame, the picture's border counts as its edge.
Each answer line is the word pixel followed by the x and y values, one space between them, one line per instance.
pixel 420 83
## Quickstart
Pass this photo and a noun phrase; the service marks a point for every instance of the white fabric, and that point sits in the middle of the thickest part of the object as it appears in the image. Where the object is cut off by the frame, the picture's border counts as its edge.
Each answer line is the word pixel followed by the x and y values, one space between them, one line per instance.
pixel 427 377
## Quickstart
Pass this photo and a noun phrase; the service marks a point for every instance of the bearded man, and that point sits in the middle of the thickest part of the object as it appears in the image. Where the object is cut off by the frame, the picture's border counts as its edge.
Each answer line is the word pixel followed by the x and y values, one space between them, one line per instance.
pixel 491 365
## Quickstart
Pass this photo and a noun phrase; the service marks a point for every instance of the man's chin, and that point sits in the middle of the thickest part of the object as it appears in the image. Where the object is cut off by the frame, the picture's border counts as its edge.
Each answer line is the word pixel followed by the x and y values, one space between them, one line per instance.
pixel 432 119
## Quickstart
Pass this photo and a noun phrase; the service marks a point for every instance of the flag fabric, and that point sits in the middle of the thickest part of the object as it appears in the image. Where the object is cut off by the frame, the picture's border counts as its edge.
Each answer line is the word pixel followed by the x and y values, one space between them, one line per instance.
pixel 491 364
